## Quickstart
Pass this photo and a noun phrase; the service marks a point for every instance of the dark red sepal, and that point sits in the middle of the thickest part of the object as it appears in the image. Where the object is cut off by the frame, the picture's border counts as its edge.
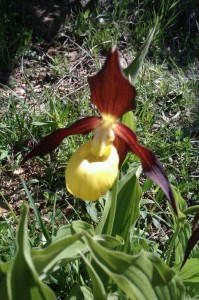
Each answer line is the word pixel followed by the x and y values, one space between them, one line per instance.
pixel 194 238
pixel 151 165
pixel 52 141
pixel 111 91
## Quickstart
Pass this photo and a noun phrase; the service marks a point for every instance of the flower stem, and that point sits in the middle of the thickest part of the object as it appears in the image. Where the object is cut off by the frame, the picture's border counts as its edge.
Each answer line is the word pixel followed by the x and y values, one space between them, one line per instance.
pixel 106 223
pixel 172 243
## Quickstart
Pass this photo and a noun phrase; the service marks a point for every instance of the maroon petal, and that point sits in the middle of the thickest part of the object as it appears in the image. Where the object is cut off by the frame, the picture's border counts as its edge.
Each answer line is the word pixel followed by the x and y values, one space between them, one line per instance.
pixel 52 141
pixel 151 165
pixel 111 91
pixel 122 149
pixel 194 238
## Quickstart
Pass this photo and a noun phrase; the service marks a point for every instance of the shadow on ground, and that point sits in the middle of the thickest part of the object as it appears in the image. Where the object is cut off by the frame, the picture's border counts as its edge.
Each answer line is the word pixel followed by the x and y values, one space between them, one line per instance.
pixel 22 21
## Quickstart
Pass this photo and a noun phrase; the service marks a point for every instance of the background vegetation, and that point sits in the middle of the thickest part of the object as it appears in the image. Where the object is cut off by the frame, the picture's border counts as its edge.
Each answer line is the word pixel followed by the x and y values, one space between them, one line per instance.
pixel 44 87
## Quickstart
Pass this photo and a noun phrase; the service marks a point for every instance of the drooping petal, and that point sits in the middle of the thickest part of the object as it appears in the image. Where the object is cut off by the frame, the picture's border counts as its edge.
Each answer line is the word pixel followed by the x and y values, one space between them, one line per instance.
pixel 52 141
pixel 193 240
pixel 122 149
pixel 88 176
pixel 111 91
pixel 151 165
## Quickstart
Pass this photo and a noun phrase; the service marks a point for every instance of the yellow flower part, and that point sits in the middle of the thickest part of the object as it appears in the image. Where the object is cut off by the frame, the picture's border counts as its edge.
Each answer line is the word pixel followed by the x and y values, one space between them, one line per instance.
pixel 89 176
pixel 103 135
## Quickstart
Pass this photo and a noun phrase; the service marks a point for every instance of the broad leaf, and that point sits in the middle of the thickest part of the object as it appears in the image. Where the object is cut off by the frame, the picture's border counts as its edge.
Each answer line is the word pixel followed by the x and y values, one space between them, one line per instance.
pixel 141 277
pixel 181 241
pixel 23 281
pixel 75 227
pixel 66 246
pixel 180 203
pixel 190 272
pixel 126 201
pixel 4 267
pixel 128 208
pixel 103 222
pixel 78 226
pixel 98 288
pixel 178 241
pixel 109 241
pixel 63 248
pixel 80 292
pixel 57 253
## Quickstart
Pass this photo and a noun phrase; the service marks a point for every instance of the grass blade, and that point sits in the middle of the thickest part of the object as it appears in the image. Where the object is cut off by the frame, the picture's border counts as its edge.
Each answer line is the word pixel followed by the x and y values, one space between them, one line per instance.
pixel 133 69
pixel 37 214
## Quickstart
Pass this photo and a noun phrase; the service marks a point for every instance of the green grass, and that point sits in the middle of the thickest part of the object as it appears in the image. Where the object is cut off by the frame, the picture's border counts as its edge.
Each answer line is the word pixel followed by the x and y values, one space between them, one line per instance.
pixel 166 114
pixel 167 101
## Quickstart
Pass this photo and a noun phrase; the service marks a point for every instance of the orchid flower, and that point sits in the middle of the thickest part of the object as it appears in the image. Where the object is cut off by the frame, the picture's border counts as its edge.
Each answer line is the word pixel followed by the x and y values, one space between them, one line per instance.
pixel 93 168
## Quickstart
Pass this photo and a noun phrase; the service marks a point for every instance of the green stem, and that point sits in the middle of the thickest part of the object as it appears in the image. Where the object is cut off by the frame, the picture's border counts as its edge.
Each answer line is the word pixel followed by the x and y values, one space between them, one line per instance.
pixel 113 207
pixel 172 243
pixel 100 227
pixel 105 225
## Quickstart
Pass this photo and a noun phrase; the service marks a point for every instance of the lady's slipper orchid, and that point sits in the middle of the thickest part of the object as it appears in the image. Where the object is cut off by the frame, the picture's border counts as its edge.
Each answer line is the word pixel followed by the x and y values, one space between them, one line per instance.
pixel 93 169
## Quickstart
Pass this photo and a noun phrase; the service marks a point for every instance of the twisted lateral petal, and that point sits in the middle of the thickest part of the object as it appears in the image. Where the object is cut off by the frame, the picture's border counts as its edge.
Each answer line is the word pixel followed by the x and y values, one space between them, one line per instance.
pixel 52 141
pixel 122 149
pixel 111 91
pixel 89 176
pixel 150 163
pixel 194 238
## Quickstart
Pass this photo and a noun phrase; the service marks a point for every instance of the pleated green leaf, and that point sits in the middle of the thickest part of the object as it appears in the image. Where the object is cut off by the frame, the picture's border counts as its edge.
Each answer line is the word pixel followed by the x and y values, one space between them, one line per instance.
pixel 179 239
pixel 109 241
pixel 189 272
pixel 23 281
pixel 63 248
pixel 127 209
pixel 80 292
pixel 98 288
pixel 59 252
pixel 141 277
pixel 102 226
pixel 4 267
pixel 66 246
pixel 125 197
pixel 79 226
